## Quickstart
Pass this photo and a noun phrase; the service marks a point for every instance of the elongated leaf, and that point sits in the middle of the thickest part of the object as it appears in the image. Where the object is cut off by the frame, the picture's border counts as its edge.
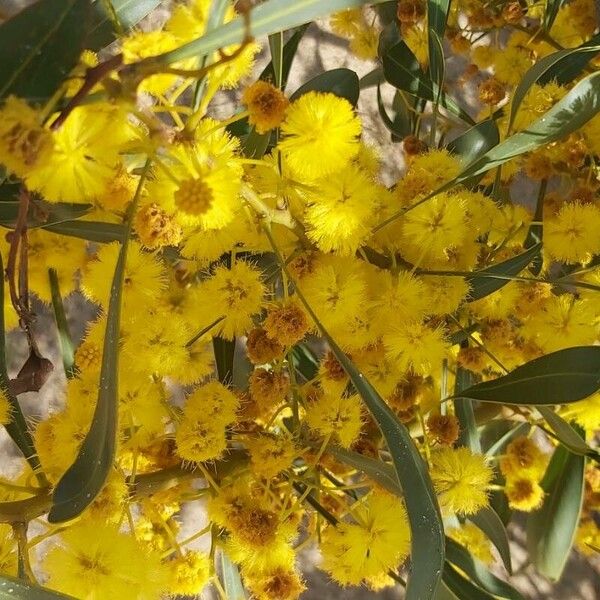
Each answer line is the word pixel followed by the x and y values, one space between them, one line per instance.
pixel 463 409
pixel 85 478
pixel 17 427
pixel 552 8
pixel 402 70
pixel 464 589
pixel 129 13
pixel 475 141
pixel 558 378
pixel 267 18
pixel 341 82
pixel 569 69
pixel 67 347
pixel 478 573
pixel 427 531
pixel 39 47
pixel 569 114
pixel 18 589
pixel 437 16
pixel 427 541
pixel 305 362
pixel 502 432
pixel 94 231
pixel 551 529
pixel 371 79
pixel 288 54
pixel 567 434
pixel 401 124
pixel 232 582
pixel 276 47
pixel 224 352
pixel 43 214
pixel 490 523
pixel 377 470
pixel 550 67
pixel 488 280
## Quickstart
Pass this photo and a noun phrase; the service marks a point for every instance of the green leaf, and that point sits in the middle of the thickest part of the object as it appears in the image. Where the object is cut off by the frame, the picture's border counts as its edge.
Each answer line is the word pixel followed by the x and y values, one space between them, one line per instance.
pixel 288 54
pixel 463 409
pixel 371 79
pixel 427 532
pixel 224 353
pixel 502 432
pixel 567 434
pixel 474 142
pixel 85 478
pixel 402 123
pixel 402 70
pixel 490 523
pixel 232 582
pixel 103 30
pixel 551 529
pixel 377 470
pixel 552 8
pixel 558 378
pixel 569 114
pixel 94 231
pixel 464 589
pixel 40 46
pixel 488 280
pixel 12 588
pixel 437 16
pixel 51 213
pixel 304 361
pixel 478 573
pixel 563 63
pixel 67 348
pixel 341 82
pixel 267 18
pixel 17 427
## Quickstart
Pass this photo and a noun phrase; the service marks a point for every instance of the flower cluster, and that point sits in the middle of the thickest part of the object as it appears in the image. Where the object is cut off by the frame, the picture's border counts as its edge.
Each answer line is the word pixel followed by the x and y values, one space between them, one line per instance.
pixel 246 252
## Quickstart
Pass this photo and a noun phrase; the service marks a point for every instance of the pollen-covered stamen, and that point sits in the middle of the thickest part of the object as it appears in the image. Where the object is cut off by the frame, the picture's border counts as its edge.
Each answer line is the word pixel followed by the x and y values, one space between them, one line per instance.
pixel 194 196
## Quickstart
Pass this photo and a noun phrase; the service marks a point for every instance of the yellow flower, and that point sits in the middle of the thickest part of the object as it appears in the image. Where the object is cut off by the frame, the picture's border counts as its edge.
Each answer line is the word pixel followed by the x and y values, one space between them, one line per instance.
pixel 320 135
pixel 416 39
pixel 341 211
pixel 84 159
pixel 523 458
pixel 8 550
pixel 281 583
pixel 524 493
pixel 571 235
pixel 24 142
pixel 377 542
pixel 474 540
pixel 266 105
pixel 286 323
pixel 188 573
pixel 271 455
pixel 92 560
pixel 339 416
pixel 461 480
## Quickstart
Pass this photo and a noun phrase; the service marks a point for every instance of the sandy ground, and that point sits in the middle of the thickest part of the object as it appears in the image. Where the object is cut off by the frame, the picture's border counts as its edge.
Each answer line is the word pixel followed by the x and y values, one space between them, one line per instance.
pixel 319 51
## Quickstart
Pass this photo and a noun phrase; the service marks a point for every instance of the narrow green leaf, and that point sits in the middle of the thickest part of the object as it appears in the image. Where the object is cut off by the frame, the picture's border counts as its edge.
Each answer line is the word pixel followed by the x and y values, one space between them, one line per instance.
pixel 402 123
pixel 551 529
pixel 288 54
pixel 341 82
pixel 550 67
pixel 85 478
pixel 437 68
pixel 371 79
pixel 12 588
pixel 43 213
pixel 224 352
pixel 552 8
pixel 437 17
pixel 276 47
pixel 569 69
pixel 402 70
pixel 232 582
pixel 67 348
pixel 129 13
pixel 478 572
pixel 464 411
pixel 569 114
pixel 474 142
pixel 40 46
pixel 304 361
pixel 267 18
pixel 462 587
pixel 94 231
pixel 490 523
pixel 488 280
pixel 427 531
pixel 377 470
pixel 567 434
pixel 558 378
pixel 17 427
